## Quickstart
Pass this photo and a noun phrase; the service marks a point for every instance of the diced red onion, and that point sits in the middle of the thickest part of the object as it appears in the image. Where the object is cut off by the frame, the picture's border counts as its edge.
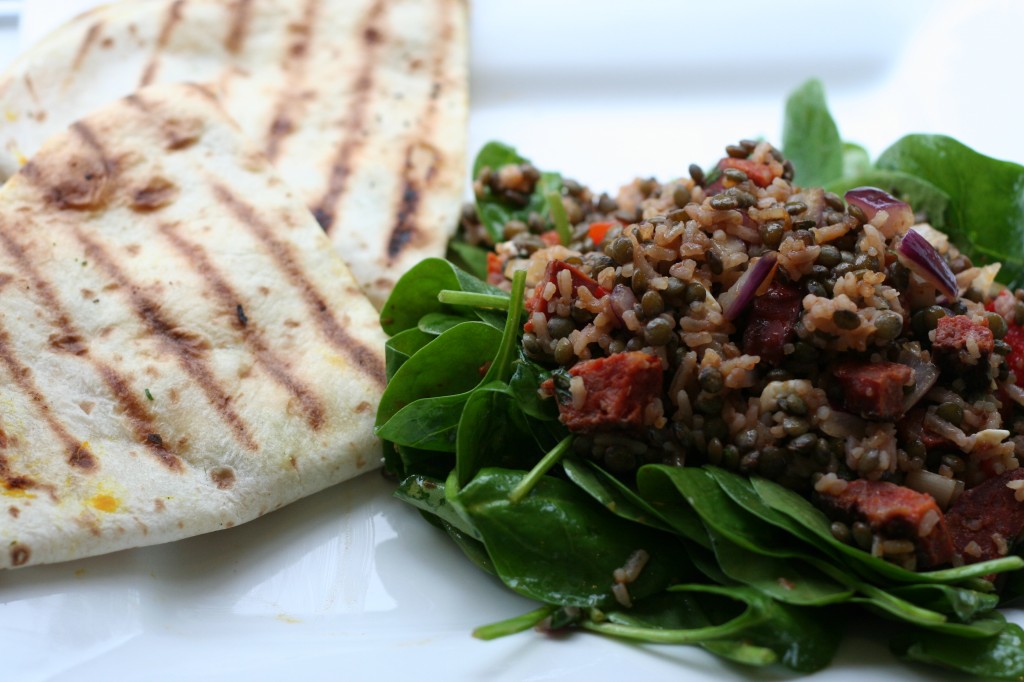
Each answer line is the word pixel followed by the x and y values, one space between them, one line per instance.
pixel 921 257
pixel 936 485
pixel 871 200
pixel 622 299
pixel 741 294
pixel 925 376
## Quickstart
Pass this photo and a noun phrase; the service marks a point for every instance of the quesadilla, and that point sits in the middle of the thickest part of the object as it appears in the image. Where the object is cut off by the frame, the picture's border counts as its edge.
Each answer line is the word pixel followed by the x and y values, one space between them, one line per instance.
pixel 180 349
pixel 360 104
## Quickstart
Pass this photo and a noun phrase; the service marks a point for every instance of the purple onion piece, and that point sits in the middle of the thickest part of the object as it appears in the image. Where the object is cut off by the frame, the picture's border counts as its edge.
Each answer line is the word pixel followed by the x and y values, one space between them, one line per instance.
pixel 622 299
pixel 742 293
pixel 921 257
pixel 871 200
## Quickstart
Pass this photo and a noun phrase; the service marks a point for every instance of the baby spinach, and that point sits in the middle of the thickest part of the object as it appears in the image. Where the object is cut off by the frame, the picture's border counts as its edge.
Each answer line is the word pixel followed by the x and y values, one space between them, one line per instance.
pixel 569 552
pixel 1000 656
pixel 810 138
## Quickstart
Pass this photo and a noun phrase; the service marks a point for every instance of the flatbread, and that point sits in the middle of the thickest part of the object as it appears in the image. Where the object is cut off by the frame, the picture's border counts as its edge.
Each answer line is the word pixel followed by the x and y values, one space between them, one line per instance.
pixel 361 104
pixel 180 349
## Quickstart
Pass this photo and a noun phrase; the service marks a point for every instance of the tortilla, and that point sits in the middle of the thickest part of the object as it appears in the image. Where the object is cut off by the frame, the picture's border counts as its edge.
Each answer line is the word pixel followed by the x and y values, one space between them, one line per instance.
pixel 361 104
pixel 180 349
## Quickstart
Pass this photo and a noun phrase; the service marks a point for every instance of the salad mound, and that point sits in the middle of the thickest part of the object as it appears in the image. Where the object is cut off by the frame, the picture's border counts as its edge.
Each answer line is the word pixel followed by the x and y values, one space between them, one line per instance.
pixel 711 411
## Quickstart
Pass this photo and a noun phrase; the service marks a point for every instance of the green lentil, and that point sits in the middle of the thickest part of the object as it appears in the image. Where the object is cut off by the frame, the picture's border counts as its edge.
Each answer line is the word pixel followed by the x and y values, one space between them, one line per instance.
pixel 737 152
pixel 829 256
pixel 564 354
pixel 996 324
pixel 951 412
pixel 840 531
pixel 772 234
pixel 658 331
pixel 560 327
pixel 735 174
pixel 888 326
pixel 710 379
pixel 803 444
pixel 696 173
pixel 695 291
pixel 621 250
pixel 723 202
pixel 795 426
pixel 794 404
pixel 681 196
pixel 714 262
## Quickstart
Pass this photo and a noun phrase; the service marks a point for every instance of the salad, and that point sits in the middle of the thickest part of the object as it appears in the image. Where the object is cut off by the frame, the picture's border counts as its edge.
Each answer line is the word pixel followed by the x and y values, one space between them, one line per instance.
pixel 717 410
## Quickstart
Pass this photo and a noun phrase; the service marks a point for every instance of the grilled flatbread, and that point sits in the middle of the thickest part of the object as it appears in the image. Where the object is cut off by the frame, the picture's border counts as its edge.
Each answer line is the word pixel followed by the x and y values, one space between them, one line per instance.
pixel 180 349
pixel 360 104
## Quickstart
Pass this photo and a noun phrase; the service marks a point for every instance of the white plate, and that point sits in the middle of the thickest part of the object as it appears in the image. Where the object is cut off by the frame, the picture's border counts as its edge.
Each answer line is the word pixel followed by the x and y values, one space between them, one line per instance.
pixel 351 584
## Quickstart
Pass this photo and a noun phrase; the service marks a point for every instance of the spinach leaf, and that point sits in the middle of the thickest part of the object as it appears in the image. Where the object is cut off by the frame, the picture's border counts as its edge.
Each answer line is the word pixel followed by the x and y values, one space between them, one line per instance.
pixel 428 494
pixel 787 580
pixel 494 211
pixel 415 295
pixel 472 259
pixel 568 552
pixel 801 638
pixel 810 138
pixel 492 432
pixel 448 365
pixel 986 196
pixel 1001 656
pixel 401 347
pixel 612 493
pixel 527 376
pixel 856 160
pixel 427 423
pixel 961 602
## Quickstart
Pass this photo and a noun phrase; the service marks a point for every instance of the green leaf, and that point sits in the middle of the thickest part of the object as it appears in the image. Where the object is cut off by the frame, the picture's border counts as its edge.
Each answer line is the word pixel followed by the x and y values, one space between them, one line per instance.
pixel 448 365
pixel 401 347
pixel 427 423
pixel 494 211
pixel 856 160
pixel 568 552
pixel 985 216
pixel 810 138
pixel 472 259
pixel 428 494
pixel 612 493
pixel 492 431
pixel 1001 656
pixel 415 295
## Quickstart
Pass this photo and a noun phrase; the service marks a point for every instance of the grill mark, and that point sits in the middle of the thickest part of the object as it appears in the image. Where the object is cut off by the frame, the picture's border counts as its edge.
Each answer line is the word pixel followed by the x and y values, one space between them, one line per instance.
pixel 239 26
pixel 172 19
pixel 364 358
pixel 289 104
pixel 140 418
pixel 78 454
pixel 147 311
pixel 351 141
pixel 229 298
pixel 87 43
pixel 405 227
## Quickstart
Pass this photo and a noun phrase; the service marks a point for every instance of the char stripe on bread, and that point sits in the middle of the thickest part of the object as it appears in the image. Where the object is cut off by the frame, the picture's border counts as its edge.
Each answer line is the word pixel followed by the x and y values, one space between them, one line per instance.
pixel 70 338
pixel 366 359
pixel 370 30
pixel 171 21
pixel 250 332
pixel 241 16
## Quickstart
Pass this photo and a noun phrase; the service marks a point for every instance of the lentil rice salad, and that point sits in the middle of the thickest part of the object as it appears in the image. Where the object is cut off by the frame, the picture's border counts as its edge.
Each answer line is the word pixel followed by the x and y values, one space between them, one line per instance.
pixel 842 367
pixel 728 409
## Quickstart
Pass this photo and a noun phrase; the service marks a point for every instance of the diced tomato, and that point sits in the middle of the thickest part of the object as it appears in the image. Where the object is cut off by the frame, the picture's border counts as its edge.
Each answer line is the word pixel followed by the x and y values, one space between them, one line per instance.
pixel 759 173
pixel 874 390
pixel 1015 338
pixel 987 519
pixel 550 238
pixel 597 231
pixel 617 390
pixel 895 512
pixel 494 274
